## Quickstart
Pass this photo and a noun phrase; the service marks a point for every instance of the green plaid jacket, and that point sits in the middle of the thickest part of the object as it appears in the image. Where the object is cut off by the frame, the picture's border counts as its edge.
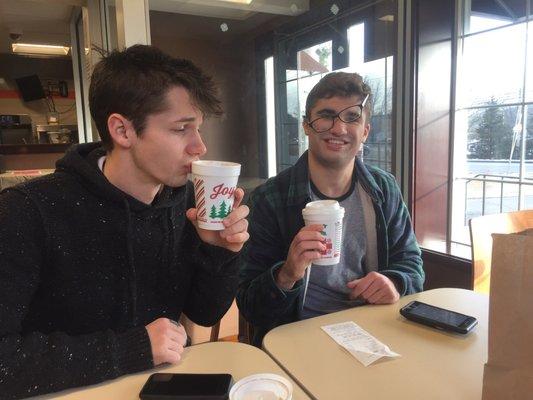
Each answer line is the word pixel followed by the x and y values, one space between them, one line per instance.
pixel 276 217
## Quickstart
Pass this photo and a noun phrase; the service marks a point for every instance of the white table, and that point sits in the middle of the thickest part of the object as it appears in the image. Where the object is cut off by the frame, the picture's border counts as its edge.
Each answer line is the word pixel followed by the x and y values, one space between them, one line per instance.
pixel 237 359
pixel 434 364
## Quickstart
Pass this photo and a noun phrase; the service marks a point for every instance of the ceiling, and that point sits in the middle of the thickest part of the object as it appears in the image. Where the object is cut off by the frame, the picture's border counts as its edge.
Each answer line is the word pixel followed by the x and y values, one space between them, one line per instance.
pixel 165 24
pixel 39 21
pixel 48 21
pixel 231 9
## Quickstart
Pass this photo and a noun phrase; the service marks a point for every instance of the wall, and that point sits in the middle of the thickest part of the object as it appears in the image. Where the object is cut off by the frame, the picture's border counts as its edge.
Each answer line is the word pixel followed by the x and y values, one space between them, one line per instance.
pixel 434 27
pixel 12 66
pixel 234 136
pixel 29 161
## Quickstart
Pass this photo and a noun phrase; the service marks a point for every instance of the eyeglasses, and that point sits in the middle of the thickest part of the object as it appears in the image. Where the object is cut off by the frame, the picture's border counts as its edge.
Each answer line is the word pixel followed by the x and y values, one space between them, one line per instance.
pixel 349 115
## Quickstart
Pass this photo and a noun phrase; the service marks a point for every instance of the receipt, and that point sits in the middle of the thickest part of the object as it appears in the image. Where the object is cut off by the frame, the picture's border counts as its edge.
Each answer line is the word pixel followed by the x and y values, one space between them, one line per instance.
pixel 362 345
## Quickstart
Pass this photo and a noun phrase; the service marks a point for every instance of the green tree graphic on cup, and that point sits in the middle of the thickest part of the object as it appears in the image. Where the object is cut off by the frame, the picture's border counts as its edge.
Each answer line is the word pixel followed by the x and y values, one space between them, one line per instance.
pixel 222 212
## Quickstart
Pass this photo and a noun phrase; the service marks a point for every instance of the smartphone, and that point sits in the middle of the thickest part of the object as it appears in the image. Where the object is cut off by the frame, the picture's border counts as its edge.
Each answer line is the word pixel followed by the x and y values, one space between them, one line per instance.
pixel 161 386
pixel 437 317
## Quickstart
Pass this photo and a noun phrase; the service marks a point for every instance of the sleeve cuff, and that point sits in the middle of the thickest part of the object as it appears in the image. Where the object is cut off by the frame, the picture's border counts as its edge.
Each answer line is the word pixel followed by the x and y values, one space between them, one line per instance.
pixel 133 351
pixel 398 279
pixel 278 293
pixel 220 257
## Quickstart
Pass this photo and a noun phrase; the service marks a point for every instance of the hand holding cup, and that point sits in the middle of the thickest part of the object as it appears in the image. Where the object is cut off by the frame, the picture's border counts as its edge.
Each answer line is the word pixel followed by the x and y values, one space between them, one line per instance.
pixel 218 205
pixel 235 232
pixel 306 247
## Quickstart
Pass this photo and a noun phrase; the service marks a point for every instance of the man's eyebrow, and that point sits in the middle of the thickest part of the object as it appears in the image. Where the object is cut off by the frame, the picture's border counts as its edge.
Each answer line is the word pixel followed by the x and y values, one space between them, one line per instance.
pixel 186 119
pixel 326 111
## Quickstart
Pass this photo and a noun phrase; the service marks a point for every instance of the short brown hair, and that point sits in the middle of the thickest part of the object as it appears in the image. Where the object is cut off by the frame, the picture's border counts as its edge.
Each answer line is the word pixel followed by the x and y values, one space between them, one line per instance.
pixel 339 84
pixel 134 83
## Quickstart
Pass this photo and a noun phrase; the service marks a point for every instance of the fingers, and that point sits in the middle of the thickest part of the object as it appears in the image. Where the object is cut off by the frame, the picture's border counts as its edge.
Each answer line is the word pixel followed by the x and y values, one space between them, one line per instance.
pixel 178 336
pixel 353 283
pixel 378 297
pixel 238 214
pixel 191 215
pixel 236 231
pixel 305 236
pixel 175 346
pixel 237 227
pixel 308 245
pixel 174 352
pixel 361 286
pixel 167 339
pixel 238 196
pixel 313 227
pixel 374 288
pixel 238 237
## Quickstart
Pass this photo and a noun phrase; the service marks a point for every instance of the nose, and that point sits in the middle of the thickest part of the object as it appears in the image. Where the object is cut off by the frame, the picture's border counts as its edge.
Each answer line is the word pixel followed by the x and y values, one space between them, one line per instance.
pixel 196 147
pixel 339 127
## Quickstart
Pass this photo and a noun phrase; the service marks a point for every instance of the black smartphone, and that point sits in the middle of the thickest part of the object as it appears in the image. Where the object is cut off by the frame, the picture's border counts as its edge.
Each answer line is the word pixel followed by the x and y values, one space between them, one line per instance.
pixel 162 386
pixel 437 317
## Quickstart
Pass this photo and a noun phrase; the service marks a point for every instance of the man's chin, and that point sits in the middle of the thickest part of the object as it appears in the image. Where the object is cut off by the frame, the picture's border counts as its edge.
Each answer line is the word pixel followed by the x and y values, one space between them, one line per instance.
pixel 178 182
pixel 336 161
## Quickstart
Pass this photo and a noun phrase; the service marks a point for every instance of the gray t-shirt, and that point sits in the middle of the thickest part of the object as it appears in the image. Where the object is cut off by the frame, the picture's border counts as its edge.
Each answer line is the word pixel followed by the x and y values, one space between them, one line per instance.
pixel 327 291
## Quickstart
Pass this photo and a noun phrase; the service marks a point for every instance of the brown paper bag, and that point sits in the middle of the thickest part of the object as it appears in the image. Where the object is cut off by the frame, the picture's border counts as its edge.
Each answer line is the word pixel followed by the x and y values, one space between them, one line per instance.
pixel 509 371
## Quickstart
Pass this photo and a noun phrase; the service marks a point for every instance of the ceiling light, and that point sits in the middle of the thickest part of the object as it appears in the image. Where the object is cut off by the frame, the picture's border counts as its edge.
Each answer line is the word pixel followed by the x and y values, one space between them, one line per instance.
pixel 387 18
pixel 27 48
pixel 238 1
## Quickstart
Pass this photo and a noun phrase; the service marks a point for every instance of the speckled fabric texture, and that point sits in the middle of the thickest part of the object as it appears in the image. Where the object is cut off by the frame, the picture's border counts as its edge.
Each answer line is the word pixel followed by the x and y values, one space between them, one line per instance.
pixel 84 267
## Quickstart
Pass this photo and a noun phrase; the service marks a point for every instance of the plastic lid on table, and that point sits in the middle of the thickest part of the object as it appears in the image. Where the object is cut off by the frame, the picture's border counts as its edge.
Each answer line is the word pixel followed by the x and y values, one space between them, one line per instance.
pixel 261 387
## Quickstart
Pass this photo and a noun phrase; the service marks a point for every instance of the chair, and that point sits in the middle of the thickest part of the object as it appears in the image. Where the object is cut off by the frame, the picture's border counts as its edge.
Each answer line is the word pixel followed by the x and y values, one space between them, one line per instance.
pixel 481 229
pixel 246 330
pixel 228 326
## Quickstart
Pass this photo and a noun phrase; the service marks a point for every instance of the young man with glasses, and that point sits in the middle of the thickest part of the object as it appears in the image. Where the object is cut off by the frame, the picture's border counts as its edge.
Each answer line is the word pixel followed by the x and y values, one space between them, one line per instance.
pixel 380 258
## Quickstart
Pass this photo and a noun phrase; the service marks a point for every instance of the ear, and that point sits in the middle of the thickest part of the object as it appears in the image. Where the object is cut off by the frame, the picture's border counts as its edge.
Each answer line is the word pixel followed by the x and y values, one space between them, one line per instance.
pixel 307 128
pixel 121 130
pixel 366 132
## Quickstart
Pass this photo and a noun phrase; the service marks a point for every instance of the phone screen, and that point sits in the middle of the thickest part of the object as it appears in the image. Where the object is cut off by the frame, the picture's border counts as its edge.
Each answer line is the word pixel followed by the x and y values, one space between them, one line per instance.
pixel 203 385
pixel 438 314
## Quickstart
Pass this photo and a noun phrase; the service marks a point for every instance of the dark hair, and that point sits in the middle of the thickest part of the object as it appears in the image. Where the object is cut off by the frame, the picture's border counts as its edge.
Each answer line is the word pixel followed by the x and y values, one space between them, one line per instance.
pixel 135 81
pixel 339 84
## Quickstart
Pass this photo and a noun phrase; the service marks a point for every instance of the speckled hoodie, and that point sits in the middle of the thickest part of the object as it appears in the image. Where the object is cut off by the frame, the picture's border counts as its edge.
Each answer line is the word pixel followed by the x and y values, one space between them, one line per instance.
pixel 84 267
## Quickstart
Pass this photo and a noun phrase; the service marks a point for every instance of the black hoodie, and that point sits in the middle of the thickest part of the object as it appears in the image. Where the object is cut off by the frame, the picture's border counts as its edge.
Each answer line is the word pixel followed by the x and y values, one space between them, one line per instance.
pixel 84 267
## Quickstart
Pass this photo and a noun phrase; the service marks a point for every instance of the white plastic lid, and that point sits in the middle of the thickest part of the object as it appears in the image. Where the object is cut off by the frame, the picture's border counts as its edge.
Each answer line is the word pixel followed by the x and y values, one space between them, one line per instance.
pixel 215 168
pixel 323 208
pixel 261 387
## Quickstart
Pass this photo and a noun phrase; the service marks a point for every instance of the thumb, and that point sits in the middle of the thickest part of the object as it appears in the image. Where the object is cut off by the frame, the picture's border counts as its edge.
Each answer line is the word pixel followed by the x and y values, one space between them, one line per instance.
pixel 191 215
pixel 353 284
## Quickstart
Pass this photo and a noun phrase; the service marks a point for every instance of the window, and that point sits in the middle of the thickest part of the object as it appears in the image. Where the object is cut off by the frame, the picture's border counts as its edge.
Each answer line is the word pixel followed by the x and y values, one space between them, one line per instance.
pixel 270 116
pixel 378 74
pixel 493 152
pixel 360 40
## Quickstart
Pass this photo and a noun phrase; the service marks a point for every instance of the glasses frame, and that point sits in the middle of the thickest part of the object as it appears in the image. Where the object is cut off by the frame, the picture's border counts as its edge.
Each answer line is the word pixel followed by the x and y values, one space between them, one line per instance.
pixel 361 106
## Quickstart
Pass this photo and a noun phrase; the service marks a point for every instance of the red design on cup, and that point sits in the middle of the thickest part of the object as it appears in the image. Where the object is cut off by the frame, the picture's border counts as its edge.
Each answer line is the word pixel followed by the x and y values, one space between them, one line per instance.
pixel 221 190
pixel 200 199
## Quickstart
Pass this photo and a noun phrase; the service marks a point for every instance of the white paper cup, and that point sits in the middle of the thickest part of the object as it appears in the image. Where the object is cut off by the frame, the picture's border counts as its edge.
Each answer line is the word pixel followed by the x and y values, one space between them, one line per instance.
pixel 214 187
pixel 329 214
pixel 261 387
